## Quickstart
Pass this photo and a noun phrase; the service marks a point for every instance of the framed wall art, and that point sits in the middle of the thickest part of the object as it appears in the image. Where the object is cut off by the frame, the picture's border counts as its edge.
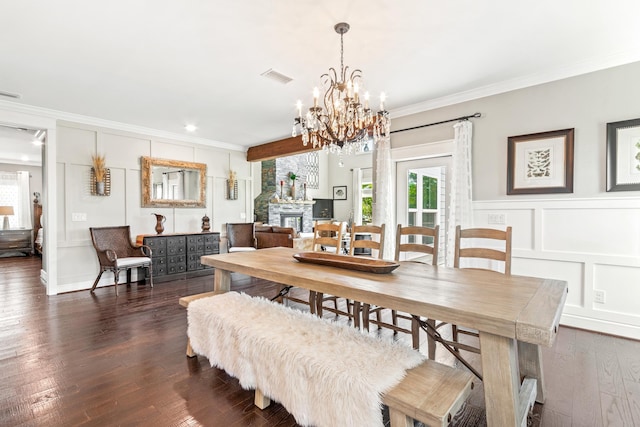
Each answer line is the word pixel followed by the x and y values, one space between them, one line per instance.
pixel 623 155
pixel 340 192
pixel 540 163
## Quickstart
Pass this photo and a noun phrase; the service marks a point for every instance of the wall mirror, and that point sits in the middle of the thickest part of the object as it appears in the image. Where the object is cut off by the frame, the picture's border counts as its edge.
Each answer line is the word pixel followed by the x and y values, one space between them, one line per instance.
pixel 173 183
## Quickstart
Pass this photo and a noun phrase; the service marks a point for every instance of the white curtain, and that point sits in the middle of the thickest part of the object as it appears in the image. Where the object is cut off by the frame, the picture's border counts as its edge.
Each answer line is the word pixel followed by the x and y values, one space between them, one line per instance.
pixel 383 202
pixel 14 191
pixel 460 202
pixel 357 196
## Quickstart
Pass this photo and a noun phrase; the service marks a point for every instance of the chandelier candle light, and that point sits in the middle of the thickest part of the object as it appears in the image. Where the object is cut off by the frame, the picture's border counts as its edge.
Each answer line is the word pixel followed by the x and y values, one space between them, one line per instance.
pixel 342 124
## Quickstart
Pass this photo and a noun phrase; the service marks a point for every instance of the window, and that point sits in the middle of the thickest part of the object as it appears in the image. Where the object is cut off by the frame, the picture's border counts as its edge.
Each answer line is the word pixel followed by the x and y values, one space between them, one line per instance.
pixel 422 200
pixel 14 191
pixel 367 203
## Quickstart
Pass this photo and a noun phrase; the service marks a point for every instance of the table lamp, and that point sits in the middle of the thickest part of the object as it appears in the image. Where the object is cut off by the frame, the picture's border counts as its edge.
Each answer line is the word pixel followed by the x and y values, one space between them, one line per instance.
pixel 6 211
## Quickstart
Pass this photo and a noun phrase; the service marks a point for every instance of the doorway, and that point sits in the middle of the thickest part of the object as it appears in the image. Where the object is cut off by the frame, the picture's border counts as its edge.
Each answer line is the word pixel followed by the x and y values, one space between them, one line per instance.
pixel 44 129
pixel 421 196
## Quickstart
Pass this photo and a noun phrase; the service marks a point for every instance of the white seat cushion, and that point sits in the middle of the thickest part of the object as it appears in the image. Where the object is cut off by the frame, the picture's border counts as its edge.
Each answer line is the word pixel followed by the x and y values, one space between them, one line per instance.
pixel 134 260
pixel 241 249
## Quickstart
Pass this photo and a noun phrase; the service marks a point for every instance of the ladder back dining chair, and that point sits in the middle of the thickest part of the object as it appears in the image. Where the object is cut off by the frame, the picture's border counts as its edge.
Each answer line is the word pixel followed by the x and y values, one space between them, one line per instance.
pixel 410 240
pixel 371 239
pixel 480 249
pixel 327 237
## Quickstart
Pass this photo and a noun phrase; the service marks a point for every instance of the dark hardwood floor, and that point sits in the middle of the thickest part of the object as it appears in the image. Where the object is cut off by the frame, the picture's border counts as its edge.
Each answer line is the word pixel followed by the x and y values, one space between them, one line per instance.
pixel 97 360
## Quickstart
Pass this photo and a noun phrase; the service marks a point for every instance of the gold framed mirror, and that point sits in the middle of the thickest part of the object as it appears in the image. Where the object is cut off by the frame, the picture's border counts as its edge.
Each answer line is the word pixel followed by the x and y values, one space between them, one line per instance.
pixel 173 183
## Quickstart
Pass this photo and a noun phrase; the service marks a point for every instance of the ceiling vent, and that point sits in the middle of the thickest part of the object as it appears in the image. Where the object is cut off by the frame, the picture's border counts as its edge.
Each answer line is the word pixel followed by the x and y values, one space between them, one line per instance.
pixel 274 75
pixel 10 95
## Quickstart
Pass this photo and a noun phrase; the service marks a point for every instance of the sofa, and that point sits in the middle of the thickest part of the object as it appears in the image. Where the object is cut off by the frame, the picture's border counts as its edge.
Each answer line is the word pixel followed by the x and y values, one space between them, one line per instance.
pixel 269 236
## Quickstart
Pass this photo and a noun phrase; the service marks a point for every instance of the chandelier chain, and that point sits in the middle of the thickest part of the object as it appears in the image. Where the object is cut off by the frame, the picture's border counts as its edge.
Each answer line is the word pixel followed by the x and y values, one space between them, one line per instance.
pixel 342 54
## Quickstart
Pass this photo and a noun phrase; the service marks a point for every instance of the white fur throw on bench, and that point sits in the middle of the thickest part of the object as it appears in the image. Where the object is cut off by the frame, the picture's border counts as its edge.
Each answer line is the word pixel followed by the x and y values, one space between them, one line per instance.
pixel 322 372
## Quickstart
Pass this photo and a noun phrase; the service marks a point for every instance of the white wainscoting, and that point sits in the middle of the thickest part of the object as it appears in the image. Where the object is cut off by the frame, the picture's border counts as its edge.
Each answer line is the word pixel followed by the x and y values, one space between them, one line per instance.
pixel 593 244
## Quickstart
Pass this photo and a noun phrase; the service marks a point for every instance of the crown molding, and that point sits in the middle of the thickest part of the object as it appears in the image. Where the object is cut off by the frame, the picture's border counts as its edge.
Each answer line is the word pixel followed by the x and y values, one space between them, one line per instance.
pixel 573 70
pixel 94 121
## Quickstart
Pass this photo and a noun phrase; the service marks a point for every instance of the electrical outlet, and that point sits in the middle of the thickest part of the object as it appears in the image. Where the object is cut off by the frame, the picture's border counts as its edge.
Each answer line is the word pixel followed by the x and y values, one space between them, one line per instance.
pixel 243 215
pixel 599 296
pixel 496 219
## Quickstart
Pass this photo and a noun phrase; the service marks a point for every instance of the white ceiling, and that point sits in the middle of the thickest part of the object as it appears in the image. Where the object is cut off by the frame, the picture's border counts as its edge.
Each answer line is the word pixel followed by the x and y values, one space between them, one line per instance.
pixel 162 64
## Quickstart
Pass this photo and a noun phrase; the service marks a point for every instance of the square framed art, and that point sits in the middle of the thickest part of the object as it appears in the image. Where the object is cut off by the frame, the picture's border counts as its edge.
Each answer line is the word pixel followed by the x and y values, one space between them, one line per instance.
pixel 540 163
pixel 623 155
pixel 340 192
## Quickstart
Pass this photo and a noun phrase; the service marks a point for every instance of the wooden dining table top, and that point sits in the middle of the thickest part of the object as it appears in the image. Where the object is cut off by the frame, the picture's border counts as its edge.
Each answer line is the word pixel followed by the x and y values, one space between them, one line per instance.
pixel 521 307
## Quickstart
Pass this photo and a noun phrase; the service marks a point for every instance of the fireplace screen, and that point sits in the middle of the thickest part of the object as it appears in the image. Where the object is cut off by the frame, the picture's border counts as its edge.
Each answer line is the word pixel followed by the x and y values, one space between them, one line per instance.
pixel 291 219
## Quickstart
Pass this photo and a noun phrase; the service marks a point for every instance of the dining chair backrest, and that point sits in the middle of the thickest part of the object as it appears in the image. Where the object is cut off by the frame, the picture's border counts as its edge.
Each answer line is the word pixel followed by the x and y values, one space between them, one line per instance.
pixel 473 243
pixel 327 234
pixel 405 243
pixel 375 240
pixel 241 237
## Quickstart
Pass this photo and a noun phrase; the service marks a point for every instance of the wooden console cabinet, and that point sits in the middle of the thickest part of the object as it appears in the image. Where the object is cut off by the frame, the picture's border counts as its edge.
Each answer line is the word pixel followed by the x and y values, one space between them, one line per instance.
pixel 19 240
pixel 177 256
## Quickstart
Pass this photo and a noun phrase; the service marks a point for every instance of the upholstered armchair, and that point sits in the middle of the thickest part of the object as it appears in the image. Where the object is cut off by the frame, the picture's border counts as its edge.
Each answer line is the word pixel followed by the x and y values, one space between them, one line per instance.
pixel 117 253
pixel 241 237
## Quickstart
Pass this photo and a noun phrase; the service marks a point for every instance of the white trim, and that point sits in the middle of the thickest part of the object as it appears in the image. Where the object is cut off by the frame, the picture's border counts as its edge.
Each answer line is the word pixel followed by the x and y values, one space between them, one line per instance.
pixel 584 67
pixel 422 151
pixel 599 325
pixel 94 121
pixel 581 203
pixel 578 259
pixel 13 116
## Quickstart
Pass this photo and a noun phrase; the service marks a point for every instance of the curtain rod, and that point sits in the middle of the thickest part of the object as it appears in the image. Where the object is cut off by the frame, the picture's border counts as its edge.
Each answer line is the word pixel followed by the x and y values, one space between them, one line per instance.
pixel 439 123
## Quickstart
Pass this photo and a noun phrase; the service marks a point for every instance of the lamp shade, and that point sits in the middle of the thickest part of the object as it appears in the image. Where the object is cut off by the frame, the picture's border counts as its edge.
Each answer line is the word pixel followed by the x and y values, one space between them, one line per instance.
pixel 6 210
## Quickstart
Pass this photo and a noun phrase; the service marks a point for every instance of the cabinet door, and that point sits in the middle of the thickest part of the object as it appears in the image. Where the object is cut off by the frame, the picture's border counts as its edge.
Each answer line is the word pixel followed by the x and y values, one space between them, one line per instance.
pixel 176 245
pixel 158 246
pixel 212 244
pixel 193 262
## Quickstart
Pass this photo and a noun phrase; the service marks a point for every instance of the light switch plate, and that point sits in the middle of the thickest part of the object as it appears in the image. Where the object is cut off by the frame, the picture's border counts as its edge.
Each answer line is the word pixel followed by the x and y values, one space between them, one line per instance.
pixel 78 217
pixel 599 296
pixel 497 218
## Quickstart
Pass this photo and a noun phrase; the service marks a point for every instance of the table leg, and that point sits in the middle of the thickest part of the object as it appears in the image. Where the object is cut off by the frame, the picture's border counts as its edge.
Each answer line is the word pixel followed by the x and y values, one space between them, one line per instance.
pixel 312 302
pixel 501 379
pixel 357 308
pixel 530 360
pixel 222 280
pixel 431 343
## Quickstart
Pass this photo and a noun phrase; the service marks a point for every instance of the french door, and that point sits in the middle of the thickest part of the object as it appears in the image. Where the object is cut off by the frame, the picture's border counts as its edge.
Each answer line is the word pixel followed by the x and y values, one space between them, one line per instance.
pixel 421 196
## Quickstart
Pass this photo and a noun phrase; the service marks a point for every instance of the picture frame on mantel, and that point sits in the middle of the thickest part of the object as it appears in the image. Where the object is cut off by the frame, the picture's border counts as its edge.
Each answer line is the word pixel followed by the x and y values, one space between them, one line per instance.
pixel 540 163
pixel 340 192
pixel 623 155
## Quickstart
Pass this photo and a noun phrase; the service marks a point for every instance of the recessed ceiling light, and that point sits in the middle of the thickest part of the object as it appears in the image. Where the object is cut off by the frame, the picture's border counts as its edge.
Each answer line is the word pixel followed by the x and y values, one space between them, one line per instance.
pixel 190 128
pixel 37 142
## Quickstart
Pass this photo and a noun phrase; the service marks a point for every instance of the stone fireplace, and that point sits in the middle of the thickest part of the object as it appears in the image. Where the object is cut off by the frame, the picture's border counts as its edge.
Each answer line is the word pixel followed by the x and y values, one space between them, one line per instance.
pixel 295 212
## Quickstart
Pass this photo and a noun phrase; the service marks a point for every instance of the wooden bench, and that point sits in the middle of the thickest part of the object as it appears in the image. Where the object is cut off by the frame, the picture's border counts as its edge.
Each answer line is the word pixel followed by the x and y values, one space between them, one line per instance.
pixel 430 392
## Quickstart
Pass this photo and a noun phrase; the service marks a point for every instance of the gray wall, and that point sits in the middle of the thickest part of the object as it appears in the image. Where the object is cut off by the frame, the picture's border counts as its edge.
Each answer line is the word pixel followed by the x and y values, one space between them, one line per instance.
pixel 586 103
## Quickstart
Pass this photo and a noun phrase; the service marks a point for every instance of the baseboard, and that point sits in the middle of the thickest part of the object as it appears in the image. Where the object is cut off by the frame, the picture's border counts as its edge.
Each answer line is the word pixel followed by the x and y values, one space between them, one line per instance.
pixel 602 326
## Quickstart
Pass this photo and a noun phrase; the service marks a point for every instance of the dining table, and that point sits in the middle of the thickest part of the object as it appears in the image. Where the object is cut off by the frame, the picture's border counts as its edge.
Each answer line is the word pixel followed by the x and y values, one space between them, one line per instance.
pixel 514 315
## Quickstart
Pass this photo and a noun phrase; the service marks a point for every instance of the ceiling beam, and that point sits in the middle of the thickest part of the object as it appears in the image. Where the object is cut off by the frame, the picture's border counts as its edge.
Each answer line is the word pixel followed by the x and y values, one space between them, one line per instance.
pixel 282 148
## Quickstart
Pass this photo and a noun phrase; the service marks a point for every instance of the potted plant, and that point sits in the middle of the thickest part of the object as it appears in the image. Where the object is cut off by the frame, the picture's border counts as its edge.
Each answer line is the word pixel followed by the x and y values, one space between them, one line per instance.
pixel 99 171
pixel 292 177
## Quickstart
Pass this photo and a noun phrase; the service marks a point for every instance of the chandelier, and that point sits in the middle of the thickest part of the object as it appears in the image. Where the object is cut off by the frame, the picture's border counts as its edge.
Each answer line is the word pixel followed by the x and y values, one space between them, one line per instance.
pixel 339 122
